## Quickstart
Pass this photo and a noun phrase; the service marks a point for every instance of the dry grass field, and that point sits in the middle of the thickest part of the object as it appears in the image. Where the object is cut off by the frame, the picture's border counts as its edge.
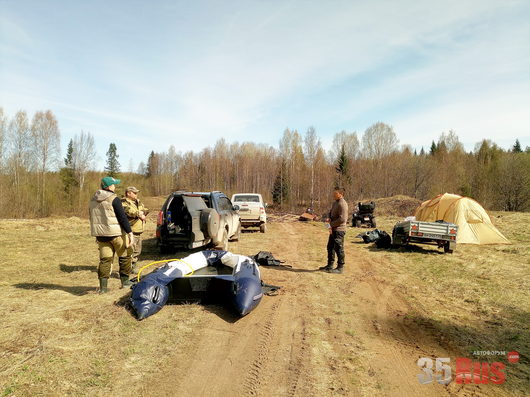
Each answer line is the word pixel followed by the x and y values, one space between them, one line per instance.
pixel 355 334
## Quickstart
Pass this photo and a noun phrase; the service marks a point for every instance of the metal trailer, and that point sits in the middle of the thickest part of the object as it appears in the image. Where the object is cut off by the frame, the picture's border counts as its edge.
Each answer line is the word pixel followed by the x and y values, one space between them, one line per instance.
pixel 442 234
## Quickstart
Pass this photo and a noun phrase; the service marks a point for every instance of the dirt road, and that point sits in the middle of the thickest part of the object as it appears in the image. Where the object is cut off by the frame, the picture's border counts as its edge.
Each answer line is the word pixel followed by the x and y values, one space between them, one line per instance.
pixel 324 334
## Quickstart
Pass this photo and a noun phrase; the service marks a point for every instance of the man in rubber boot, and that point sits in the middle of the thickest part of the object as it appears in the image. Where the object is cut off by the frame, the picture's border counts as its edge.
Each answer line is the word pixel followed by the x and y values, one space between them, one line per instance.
pixel 109 224
pixel 136 213
pixel 337 219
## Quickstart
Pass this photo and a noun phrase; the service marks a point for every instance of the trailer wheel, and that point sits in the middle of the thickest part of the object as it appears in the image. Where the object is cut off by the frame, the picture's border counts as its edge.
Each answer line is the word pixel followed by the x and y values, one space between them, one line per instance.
pixel 373 223
pixel 358 223
pixel 447 248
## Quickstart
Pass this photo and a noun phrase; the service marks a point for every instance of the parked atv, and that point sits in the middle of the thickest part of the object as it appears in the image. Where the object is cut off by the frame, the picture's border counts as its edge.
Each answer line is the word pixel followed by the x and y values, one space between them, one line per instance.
pixel 364 215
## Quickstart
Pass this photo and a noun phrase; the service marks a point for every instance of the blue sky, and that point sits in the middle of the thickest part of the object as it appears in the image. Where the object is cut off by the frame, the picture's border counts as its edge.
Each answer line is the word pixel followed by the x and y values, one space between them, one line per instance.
pixel 150 74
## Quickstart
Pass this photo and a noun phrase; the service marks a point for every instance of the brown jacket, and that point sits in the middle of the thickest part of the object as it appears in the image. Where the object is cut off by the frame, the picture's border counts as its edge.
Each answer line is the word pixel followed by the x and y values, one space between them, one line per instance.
pixel 339 215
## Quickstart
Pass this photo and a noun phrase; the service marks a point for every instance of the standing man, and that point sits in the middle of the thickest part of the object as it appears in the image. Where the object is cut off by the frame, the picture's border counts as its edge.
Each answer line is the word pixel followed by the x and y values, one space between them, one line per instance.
pixel 109 224
pixel 136 213
pixel 337 219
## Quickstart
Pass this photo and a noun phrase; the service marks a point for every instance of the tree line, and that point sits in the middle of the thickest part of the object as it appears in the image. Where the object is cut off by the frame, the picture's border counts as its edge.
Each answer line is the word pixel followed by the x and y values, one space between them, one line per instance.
pixel 36 179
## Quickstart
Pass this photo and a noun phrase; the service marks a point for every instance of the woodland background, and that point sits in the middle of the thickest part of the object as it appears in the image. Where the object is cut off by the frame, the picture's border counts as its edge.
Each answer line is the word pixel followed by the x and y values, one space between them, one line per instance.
pixel 38 179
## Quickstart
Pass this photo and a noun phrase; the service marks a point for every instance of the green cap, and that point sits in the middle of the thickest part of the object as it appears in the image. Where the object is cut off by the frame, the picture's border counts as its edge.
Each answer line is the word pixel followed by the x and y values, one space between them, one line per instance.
pixel 108 180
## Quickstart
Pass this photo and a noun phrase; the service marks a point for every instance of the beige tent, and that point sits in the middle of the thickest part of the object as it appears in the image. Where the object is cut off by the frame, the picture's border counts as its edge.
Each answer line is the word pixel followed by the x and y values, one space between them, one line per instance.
pixel 474 224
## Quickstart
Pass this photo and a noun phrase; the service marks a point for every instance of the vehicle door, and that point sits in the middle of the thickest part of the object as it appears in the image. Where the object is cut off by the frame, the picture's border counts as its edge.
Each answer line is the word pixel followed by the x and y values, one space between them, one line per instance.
pixel 236 219
pixel 194 205
pixel 227 213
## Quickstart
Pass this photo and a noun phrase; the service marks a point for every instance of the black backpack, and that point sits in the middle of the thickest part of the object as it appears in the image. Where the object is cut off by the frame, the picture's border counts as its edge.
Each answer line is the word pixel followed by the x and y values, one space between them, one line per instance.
pixel 384 240
pixel 265 258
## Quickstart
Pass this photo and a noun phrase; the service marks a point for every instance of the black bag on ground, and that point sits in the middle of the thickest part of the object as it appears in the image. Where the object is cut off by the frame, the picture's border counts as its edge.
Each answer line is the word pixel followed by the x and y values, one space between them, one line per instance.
pixel 370 236
pixel 265 258
pixel 384 240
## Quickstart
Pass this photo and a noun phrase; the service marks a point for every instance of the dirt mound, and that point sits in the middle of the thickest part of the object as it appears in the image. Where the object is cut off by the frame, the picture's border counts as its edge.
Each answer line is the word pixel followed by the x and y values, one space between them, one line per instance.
pixel 396 206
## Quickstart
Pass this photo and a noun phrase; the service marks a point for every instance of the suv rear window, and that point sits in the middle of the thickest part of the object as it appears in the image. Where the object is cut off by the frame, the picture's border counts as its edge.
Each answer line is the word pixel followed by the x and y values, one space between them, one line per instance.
pixel 247 198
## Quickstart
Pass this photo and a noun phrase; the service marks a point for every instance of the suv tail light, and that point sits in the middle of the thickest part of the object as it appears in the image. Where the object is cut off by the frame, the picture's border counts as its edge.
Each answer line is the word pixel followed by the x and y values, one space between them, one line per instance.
pixel 262 210
pixel 160 219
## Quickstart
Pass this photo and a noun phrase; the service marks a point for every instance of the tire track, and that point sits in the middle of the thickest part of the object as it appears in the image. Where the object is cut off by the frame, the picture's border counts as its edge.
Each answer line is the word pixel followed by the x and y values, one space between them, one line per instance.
pixel 297 360
pixel 253 379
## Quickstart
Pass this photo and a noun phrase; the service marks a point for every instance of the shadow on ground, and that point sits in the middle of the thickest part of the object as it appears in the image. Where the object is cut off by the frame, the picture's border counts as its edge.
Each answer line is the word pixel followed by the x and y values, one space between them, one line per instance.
pixel 291 269
pixel 74 290
pixel 245 231
pixel 432 250
pixel 75 268
pixel 411 248
pixel 220 310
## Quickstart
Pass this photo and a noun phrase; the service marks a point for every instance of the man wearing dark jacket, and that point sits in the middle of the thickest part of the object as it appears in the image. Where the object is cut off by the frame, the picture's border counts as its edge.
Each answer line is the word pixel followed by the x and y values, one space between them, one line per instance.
pixel 110 226
pixel 337 219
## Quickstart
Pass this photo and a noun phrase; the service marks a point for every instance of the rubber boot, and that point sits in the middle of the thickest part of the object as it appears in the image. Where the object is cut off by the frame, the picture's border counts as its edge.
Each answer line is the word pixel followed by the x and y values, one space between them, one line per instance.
pixel 125 282
pixel 326 268
pixel 337 270
pixel 103 285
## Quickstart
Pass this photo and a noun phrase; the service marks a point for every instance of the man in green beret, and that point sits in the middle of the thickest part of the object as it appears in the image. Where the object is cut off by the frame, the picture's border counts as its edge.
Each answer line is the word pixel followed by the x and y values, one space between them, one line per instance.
pixel 136 214
pixel 110 226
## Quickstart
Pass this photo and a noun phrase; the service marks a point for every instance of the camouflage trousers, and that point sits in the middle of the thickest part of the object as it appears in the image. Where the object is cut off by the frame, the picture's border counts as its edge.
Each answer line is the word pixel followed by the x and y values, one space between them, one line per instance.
pixel 136 248
pixel 107 249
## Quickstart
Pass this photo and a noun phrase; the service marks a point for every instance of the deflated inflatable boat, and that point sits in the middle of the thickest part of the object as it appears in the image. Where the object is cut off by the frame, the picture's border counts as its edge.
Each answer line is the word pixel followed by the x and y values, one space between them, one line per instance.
pixel 206 276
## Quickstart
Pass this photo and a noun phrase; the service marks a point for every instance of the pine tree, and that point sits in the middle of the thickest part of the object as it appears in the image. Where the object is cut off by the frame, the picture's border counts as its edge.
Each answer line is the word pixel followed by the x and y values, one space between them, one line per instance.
pixel 68 171
pixel 280 189
pixel 342 168
pixel 517 147
pixel 152 165
pixel 434 148
pixel 113 165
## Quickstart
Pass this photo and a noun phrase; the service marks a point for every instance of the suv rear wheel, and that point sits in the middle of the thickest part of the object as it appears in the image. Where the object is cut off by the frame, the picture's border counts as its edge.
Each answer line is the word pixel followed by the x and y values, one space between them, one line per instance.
pixel 263 227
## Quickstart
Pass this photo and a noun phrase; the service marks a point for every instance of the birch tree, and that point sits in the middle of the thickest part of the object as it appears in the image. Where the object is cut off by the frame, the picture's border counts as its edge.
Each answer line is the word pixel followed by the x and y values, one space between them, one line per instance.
pixel 3 133
pixel 83 157
pixel 311 147
pixel 19 138
pixel 45 144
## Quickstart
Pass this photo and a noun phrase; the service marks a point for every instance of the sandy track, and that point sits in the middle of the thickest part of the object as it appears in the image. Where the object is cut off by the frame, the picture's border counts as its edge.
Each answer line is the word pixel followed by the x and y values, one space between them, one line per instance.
pixel 256 355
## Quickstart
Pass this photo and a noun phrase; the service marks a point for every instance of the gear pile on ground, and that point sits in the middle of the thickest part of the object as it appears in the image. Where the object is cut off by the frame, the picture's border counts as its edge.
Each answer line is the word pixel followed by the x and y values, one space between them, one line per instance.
pixel 379 237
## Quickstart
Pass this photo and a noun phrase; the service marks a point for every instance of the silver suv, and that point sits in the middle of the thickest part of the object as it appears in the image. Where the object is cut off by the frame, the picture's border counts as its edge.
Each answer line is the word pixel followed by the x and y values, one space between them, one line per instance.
pixel 189 220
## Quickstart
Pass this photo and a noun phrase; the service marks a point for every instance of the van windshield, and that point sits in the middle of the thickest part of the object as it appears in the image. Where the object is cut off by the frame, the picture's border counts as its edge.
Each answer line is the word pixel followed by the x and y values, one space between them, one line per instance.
pixel 247 198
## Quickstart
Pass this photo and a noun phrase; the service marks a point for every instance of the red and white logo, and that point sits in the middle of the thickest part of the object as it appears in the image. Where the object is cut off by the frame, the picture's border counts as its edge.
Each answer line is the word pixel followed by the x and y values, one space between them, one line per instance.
pixel 513 357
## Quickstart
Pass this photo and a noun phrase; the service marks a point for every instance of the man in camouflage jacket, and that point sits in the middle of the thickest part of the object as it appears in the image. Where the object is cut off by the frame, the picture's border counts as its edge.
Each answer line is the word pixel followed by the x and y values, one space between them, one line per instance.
pixel 136 213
